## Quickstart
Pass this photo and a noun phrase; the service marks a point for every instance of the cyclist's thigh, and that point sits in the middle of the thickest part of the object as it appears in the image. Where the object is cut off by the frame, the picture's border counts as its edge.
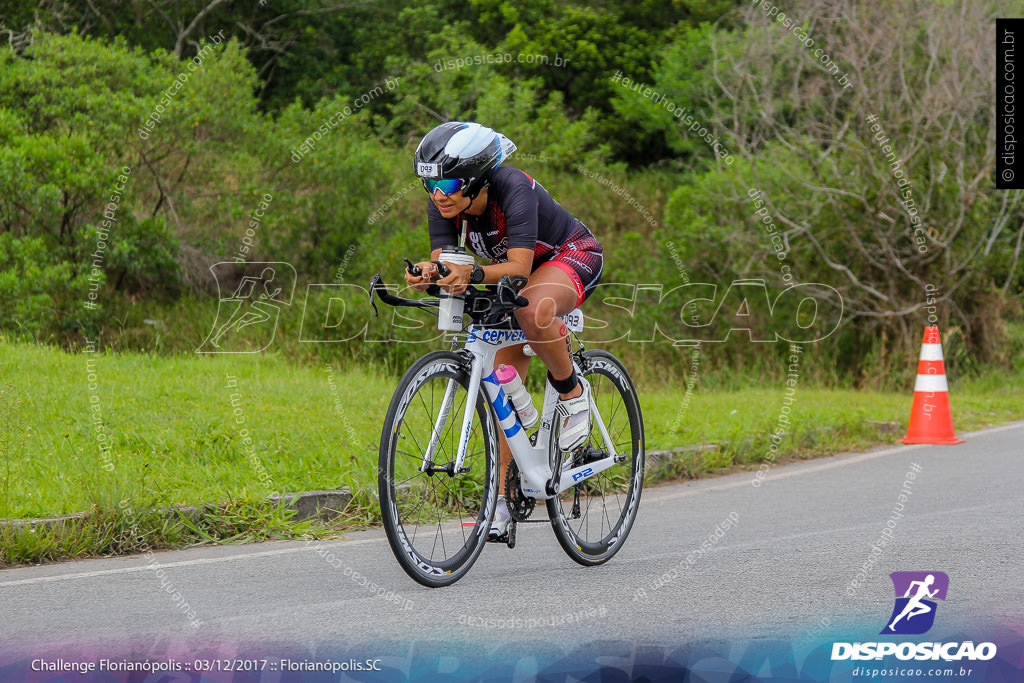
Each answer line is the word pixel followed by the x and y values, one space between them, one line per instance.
pixel 551 292
pixel 582 269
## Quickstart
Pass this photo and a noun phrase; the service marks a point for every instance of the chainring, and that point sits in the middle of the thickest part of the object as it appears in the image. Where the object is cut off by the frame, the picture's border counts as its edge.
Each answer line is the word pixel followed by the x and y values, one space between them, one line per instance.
pixel 519 506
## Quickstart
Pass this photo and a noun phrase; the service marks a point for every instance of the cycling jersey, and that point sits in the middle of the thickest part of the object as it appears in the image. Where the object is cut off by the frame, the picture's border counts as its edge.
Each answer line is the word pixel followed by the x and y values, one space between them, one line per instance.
pixel 521 214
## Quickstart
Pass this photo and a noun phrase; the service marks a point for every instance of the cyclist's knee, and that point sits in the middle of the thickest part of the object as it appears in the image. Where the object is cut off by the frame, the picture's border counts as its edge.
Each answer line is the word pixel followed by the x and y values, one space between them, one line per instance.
pixel 538 315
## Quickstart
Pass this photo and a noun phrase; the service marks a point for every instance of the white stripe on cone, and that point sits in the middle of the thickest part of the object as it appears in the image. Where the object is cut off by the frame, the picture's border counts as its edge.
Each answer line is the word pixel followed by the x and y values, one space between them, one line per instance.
pixel 931 352
pixel 931 383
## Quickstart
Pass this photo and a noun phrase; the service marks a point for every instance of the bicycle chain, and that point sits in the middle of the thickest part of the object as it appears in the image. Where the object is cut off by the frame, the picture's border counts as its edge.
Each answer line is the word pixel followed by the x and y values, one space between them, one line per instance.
pixel 519 506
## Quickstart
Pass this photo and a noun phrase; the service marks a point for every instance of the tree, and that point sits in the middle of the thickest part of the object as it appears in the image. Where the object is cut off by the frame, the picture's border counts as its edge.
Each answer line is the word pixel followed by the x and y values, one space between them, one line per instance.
pixel 881 189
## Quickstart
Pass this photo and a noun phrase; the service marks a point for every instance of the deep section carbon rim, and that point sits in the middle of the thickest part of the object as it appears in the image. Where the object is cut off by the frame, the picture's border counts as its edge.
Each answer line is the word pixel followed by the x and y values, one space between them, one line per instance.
pixel 592 520
pixel 436 521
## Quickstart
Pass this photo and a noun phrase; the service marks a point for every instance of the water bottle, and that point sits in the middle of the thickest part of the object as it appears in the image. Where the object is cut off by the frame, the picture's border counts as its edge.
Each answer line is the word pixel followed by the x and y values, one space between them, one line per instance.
pixel 517 393
pixel 449 317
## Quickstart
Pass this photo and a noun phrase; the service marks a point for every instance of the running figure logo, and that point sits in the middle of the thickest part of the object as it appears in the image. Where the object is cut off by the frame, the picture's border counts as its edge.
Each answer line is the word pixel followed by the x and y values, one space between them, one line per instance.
pixel 247 318
pixel 914 612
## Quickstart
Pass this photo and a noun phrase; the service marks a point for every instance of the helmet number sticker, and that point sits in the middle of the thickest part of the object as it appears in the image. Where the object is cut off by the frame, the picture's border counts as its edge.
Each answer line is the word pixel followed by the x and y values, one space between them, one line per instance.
pixel 428 170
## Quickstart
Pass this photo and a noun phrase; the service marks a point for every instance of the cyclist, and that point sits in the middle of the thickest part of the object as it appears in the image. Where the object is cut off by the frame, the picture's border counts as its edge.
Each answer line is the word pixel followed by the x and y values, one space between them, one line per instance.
pixel 513 221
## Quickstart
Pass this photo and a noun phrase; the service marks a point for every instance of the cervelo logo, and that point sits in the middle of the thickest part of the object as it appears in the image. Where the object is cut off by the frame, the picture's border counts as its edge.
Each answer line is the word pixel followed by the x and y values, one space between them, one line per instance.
pixel 914 613
pixel 495 336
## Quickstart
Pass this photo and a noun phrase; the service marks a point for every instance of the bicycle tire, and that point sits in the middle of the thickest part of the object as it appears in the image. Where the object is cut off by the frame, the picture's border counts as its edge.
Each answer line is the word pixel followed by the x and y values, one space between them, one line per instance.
pixel 623 481
pixel 464 502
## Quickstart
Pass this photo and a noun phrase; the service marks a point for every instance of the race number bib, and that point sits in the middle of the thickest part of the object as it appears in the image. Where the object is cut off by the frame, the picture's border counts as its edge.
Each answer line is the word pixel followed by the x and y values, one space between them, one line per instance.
pixel 574 320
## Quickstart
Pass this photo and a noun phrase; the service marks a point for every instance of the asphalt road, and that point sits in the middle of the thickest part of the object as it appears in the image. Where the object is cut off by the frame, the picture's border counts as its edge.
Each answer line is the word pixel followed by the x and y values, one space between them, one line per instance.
pixel 782 572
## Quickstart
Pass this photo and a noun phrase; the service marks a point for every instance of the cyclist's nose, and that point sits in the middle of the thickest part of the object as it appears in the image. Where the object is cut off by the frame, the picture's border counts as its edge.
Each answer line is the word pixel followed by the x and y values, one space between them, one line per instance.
pixel 438 195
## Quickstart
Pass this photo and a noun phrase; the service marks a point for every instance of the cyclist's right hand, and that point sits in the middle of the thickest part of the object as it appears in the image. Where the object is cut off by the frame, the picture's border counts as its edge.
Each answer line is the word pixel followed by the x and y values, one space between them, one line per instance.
pixel 428 274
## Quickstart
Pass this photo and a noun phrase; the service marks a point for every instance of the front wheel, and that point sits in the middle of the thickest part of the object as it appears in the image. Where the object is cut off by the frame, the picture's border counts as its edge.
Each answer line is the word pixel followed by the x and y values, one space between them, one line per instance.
pixel 591 520
pixel 436 521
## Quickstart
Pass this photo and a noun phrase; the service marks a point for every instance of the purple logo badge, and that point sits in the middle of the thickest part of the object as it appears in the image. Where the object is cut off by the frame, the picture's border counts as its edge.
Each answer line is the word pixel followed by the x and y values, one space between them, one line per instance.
pixel 914 611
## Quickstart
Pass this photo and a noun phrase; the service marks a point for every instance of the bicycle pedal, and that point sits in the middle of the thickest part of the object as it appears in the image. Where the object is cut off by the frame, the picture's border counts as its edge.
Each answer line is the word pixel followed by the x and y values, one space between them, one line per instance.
pixel 508 538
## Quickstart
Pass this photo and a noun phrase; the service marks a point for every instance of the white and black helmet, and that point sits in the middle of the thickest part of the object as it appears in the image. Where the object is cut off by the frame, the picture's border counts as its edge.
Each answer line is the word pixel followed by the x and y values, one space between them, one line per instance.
pixel 461 149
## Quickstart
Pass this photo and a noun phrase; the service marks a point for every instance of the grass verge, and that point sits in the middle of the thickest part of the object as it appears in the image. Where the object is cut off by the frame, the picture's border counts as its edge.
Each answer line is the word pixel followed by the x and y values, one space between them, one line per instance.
pixel 118 435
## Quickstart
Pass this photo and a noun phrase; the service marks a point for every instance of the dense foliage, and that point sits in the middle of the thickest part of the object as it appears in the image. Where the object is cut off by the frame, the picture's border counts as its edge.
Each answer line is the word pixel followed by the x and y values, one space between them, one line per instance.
pixel 705 141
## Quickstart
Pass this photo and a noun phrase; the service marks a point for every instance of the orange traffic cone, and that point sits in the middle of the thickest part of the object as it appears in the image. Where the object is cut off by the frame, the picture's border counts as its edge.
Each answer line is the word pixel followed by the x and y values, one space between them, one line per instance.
pixel 930 419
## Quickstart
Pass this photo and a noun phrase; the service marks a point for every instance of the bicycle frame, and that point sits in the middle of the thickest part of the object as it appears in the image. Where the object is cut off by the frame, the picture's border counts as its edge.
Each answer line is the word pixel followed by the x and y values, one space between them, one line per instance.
pixel 533 459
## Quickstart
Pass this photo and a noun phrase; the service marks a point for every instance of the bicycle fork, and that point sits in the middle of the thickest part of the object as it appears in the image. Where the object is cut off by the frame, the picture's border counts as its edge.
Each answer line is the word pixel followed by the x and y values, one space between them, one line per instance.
pixel 442 419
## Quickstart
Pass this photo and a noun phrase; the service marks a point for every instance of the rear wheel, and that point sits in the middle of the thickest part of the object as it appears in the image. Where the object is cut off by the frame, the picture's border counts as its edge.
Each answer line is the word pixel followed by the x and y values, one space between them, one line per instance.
pixel 436 521
pixel 591 520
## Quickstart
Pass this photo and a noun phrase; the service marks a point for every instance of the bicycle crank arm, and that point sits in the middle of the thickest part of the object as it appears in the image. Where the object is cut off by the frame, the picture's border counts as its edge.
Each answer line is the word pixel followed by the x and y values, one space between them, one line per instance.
pixel 578 475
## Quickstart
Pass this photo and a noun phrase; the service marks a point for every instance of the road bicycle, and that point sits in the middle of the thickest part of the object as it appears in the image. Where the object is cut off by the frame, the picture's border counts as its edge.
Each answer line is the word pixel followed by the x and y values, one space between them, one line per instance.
pixel 437 477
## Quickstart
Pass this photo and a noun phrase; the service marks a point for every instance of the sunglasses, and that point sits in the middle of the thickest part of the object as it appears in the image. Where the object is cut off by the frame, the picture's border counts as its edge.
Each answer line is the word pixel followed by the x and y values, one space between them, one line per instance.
pixel 447 185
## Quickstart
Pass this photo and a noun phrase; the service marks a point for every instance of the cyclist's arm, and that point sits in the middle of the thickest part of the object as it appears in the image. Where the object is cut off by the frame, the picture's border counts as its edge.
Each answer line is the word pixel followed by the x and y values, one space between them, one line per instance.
pixel 519 263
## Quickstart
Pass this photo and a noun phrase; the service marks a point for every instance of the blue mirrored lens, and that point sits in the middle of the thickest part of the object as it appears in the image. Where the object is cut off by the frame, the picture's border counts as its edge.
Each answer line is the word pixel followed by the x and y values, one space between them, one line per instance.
pixel 446 185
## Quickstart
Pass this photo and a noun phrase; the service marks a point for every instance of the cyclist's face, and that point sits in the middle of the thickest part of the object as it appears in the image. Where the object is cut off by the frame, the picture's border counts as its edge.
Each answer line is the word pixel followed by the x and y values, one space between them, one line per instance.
pixel 450 205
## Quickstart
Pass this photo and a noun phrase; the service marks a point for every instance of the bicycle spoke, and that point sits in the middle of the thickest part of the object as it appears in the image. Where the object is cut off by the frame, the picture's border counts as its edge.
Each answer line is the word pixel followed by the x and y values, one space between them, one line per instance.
pixel 448 432
pixel 426 495
pixel 416 442
pixel 454 495
pixel 605 498
pixel 440 533
pixel 608 519
pixel 426 410
pixel 417 457
pixel 429 511
pixel 615 439
pixel 615 410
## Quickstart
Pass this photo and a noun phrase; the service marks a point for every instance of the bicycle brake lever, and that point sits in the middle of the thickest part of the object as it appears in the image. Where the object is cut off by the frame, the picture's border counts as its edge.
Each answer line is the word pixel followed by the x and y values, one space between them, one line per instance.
pixel 374 283
pixel 442 270
pixel 508 294
pixel 413 268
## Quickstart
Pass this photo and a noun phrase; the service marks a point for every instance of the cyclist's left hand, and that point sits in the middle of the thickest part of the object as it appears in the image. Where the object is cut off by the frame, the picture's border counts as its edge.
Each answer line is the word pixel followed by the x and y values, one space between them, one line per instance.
pixel 457 280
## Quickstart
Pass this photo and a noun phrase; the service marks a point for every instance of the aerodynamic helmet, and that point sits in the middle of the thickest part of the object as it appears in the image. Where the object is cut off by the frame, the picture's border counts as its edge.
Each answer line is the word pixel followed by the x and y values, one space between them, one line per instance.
pixel 460 150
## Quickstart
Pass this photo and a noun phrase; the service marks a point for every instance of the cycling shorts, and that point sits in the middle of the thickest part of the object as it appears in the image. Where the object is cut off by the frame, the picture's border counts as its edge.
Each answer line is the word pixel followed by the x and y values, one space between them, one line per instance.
pixel 581 257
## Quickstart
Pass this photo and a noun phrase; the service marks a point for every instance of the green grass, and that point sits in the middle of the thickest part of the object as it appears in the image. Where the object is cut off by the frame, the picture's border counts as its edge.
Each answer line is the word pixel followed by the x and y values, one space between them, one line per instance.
pixel 131 527
pixel 176 437
pixel 175 426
